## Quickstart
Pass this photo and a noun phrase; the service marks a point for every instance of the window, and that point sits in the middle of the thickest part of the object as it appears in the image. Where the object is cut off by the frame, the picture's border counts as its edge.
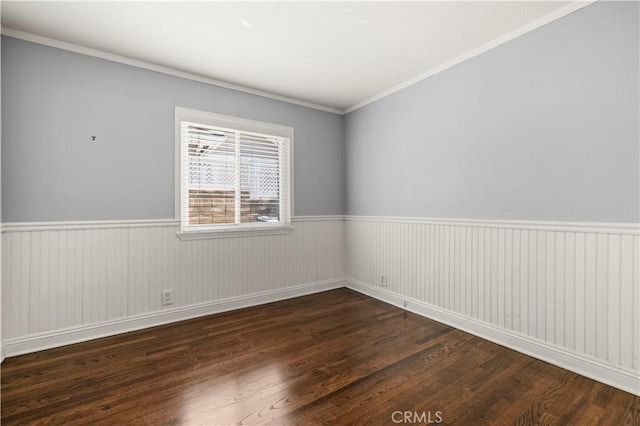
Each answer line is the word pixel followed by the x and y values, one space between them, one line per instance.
pixel 233 175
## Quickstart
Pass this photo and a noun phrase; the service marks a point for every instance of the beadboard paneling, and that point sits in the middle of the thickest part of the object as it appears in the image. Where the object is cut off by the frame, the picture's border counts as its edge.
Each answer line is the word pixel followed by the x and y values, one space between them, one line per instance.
pixel 570 286
pixel 59 276
pixel 565 292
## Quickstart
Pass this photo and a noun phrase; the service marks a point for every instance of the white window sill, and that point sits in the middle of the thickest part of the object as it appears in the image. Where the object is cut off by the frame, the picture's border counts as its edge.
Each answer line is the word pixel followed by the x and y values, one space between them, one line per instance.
pixel 234 232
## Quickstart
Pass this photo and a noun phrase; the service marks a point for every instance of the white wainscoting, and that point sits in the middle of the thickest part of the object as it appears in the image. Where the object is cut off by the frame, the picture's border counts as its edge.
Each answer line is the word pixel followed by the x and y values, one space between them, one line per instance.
pixel 563 292
pixel 74 281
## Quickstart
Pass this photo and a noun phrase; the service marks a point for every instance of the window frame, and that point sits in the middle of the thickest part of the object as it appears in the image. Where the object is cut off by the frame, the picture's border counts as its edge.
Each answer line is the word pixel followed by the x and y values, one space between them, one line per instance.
pixel 243 125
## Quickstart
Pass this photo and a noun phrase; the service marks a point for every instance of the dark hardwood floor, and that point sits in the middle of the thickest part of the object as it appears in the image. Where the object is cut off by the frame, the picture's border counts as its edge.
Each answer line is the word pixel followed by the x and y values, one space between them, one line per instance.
pixel 335 357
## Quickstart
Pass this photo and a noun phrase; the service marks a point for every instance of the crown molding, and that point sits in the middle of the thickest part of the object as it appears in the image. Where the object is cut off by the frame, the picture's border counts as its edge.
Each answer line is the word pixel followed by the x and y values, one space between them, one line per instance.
pixel 557 14
pixel 10 32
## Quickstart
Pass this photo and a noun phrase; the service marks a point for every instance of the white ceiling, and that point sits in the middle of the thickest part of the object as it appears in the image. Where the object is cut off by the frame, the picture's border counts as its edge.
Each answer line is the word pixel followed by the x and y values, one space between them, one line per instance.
pixel 336 55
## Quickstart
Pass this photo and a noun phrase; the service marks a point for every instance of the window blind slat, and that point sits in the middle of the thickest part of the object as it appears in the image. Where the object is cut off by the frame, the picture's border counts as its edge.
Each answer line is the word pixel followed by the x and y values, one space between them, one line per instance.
pixel 232 177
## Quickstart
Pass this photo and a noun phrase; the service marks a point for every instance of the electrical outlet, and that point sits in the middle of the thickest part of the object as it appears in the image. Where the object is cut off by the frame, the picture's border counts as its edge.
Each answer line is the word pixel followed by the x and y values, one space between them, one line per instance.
pixel 383 280
pixel 167 297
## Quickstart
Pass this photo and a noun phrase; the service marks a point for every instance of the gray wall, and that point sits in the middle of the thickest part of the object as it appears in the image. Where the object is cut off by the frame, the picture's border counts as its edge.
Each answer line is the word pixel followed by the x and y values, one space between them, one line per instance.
pixel 544 127
pixel 53 101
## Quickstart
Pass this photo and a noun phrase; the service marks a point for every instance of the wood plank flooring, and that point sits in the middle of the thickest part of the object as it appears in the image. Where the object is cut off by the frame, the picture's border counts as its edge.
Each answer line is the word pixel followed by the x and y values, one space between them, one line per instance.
pixel 336 357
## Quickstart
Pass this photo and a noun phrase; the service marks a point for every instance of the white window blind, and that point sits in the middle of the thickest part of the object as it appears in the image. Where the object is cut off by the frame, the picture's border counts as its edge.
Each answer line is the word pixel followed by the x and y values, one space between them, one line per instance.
pixel 233 178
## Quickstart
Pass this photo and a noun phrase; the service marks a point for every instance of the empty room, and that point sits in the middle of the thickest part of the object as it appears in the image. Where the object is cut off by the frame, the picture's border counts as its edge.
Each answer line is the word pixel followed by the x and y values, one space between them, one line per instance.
pixel 300 213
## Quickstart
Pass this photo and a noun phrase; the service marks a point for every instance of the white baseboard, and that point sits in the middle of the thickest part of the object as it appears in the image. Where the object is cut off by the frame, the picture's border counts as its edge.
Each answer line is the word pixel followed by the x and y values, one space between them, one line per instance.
pixel 626 380
pixel 67 336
